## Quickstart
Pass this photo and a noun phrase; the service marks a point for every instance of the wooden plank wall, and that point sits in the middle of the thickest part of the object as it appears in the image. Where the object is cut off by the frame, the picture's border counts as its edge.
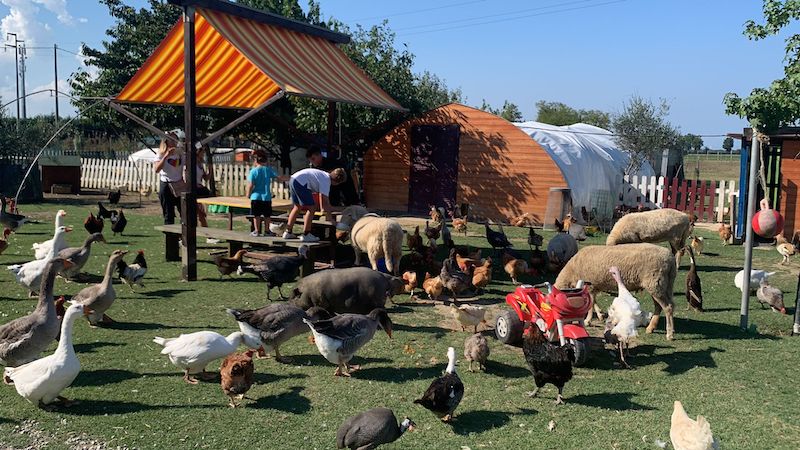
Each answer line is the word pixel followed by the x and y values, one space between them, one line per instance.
pixel 790 183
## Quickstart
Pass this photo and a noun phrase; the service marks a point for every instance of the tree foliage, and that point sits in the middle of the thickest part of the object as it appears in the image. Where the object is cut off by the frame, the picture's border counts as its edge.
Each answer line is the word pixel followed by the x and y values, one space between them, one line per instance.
pixel 560 114
pixel 509 111
pixel 727 144
pixel 689 143
pixel 643 131
pixel 778 104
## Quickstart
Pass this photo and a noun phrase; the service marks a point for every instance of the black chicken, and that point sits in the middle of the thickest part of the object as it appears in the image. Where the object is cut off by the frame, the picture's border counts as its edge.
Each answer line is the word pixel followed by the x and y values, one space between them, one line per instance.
pixel 118 222
pixel 9 219
pixel 278 270
pixel 93 224
pixel 452 278
pixel 114 196
pixel 548 362
pixel 534 239
pixel 497 239
pixel 432 232
pixel 103 212
pixel 694 292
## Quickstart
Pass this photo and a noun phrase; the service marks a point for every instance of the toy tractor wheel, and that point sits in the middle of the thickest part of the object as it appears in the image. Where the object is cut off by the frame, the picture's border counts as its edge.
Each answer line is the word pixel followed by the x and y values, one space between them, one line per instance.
pixel 508 328
pixel 581 351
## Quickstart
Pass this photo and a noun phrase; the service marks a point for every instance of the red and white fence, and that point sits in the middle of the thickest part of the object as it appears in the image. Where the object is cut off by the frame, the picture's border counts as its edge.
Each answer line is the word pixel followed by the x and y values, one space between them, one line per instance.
pixel 710 200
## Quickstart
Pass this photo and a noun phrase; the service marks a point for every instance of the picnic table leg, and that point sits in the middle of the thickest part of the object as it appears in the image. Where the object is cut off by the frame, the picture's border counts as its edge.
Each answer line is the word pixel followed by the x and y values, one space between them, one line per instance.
pixel 230 218
pixel 234 247
pixel 172 247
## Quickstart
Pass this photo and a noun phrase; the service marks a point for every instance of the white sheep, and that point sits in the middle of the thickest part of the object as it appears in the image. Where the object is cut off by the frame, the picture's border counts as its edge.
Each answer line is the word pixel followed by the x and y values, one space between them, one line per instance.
pixel 378 237
pixel 658 225
pixel 645 267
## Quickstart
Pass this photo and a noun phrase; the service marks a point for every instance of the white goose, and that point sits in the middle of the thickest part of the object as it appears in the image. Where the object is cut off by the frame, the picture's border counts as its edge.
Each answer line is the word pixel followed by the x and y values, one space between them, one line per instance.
pixel 756 275
pixel 41 249
pixel 30 273
pixel 194 351
pixel 41 381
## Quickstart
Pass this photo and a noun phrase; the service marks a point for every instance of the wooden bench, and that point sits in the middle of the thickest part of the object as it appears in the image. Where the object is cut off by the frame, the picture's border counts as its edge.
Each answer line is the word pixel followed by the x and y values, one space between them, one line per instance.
pixel 237 239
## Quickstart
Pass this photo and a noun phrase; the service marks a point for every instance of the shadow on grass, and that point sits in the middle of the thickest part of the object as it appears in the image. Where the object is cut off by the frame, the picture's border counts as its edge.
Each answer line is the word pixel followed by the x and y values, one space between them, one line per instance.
pixel 677 362
pixel 144 326
pixel 291 402
pixel 87 278
pixel 398 375
pixel 620 401
pixel 104 377
pixel 714 330
pixel 90 347
pixel 702 268
pixel 399 308
pixel 505 370
pixel 233 280
pixel 164 293
pixel 267 378
pixel 436 331
pixel 479 421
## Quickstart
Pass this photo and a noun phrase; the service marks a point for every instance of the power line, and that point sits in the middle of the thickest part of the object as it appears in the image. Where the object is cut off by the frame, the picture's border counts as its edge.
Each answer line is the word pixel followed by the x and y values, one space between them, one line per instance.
pixel 417 11
pixel 513 18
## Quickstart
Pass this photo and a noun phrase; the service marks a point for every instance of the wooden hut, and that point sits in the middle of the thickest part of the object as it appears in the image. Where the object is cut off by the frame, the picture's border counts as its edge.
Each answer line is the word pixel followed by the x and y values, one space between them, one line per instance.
pixel 455 154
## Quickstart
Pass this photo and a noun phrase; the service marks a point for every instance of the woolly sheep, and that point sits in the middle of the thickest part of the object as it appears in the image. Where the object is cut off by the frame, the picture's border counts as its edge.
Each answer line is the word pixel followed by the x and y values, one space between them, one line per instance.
pixel 378 237
pixel 658 225
pixel 644 266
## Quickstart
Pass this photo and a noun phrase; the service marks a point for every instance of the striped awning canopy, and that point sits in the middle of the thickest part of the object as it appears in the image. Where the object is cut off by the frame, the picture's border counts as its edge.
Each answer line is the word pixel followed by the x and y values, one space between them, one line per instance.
pixel 242 63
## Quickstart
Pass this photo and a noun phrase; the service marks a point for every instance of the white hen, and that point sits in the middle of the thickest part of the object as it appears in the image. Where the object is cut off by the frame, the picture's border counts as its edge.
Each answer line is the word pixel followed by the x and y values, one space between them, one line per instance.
pixel 624 316
pixel 688 434
pixel 756 276
pixel 193 352
pixel 30 273
pixel 41 249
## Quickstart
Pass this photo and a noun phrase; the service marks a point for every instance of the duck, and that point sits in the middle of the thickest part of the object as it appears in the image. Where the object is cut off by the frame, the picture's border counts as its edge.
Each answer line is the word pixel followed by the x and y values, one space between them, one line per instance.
pixel 79 256
pixel 273 325
pixel 41 249
pixel 194 351
pixel 371 428
pixel 4 240
pixel 9 219
pixel 770 296
pixel 756 275
pixel 42 380
pixel 118 222
pixel 445 393
pixel 340 337
pixel 30 274
pixel 694 290
pixel 23 339
pixel 468 316
pixel 99 297
pixel 476 349
pixel 226 265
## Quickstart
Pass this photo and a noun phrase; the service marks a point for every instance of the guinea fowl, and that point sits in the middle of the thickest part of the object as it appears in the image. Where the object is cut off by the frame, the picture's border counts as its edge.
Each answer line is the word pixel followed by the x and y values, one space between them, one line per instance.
pixel 339 338
pixel 114 196
pixel 445 393
pixel 548 362
pixel 694 291
pixel 770 296
pixel 278 270
pixel 100 297
pixel 41 249
pixel 4 240
pixel 452 278
pixel 93 224
pixel 118 222
pixel 624 316
pixel 103 212
pixel 24 338
pixel 226 265
pixel 78 256
pixel 476 349
pixel 237 376
pixel 10 220
pixel 497 239
pixel 370 429
pixel 133 273
pixel 273 325
pixel 30 274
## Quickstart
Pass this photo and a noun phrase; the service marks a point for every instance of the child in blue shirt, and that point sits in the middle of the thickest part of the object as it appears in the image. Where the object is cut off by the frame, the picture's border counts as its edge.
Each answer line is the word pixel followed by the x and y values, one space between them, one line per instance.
pixel 259 182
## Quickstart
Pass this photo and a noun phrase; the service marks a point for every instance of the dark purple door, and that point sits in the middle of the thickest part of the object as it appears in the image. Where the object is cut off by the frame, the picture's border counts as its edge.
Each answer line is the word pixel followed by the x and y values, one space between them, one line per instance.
pixel 434 167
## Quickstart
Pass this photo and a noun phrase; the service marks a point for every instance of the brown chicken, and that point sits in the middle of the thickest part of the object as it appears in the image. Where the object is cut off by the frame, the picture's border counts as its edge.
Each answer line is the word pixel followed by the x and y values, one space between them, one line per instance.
pixel 725 233
pixel 436 214
pixel 237 376
pixel 432 233
pixel 93 224
pixel 464 264
pixel 414 241
pixel 482 275
pixel 460 225
pixel 227 265
pixel 4 240
pixel 567 223
pixel 432 286
pixel 516 267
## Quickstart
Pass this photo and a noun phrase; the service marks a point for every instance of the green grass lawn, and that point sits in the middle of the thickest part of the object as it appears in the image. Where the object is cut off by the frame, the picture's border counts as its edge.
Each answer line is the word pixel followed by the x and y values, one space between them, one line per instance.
pixel 132 396
pixel 711 167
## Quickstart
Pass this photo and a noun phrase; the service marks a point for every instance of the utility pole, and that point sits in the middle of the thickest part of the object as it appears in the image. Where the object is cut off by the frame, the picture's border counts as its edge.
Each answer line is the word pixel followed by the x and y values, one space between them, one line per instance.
pixel 16 69
pixel 22 76
pixel 55 75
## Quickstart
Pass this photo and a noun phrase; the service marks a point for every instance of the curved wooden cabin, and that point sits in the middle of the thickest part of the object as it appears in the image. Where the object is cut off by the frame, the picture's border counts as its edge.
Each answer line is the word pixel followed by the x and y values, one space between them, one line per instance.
pixel 460 154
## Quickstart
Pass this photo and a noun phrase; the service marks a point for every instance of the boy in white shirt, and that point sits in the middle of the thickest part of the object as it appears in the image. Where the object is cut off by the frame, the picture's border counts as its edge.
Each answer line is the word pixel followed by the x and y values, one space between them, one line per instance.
pixel 303 185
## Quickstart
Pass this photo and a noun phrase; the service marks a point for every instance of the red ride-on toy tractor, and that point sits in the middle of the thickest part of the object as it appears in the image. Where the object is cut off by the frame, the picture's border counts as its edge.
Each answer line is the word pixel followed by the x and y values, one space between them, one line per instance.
pixel 559 314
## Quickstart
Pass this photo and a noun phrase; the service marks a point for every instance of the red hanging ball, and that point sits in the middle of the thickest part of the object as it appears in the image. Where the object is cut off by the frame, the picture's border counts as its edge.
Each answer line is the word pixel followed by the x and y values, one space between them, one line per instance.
pixel 767 222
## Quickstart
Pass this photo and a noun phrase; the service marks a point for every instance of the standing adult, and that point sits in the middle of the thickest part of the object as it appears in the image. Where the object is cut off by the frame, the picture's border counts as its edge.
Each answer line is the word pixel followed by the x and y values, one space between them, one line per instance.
pixel 201 175
pixel 343 194
pixel 169 166
pixel 303 185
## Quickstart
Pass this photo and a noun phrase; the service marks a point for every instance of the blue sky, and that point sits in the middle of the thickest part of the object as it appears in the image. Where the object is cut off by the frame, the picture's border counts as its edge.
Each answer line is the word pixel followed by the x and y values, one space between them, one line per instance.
pixel 586 53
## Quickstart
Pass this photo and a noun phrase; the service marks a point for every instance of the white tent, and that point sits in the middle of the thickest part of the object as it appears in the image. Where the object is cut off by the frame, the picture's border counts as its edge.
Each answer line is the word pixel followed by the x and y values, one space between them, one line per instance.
pixel 145 154
pixel 589 159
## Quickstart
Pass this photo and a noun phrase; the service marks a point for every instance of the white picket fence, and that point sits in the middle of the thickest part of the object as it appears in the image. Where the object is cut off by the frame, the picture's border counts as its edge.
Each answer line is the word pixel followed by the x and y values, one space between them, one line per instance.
pixel 653 192
pixel 230 179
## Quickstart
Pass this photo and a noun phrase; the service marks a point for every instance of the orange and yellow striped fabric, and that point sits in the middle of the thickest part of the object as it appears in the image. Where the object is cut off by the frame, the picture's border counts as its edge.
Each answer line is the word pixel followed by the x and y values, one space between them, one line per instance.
pixel 241 64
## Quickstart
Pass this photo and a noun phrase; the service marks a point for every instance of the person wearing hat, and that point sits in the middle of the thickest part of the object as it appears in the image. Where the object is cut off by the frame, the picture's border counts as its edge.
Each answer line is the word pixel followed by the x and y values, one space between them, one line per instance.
pixel 169 167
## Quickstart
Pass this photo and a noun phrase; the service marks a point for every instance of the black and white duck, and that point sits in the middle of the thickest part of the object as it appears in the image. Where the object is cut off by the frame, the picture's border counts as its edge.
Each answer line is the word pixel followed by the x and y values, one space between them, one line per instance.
pixel 445 393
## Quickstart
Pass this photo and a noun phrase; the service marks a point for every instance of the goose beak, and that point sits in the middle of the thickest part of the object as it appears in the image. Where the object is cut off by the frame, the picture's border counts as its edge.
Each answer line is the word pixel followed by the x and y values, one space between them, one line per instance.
pixel 68 229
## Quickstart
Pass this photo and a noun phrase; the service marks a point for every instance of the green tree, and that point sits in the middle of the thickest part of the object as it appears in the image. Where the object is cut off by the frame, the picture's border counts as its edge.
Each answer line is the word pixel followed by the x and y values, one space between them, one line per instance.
pixel 727 144
pixel 643 131
pixel 560 114
pixel 510 111
pixel 779 104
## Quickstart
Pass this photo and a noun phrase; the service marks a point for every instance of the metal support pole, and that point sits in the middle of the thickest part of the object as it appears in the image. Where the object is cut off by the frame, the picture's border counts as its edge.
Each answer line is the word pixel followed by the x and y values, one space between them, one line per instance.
pixel 55 76
pixel 189 199
pixel 796 325
pixel 16 71
pixel 755 150
pixel 22 79
pixel 331 128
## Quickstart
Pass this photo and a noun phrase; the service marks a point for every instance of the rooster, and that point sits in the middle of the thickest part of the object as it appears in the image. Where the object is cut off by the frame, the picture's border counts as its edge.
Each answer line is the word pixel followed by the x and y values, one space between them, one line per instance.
pixel 114 196
pixel 237 375
pixel 133 273
pixel 725 233
pixel 432 233
pixel 93 224
pixel 535 240
pixel 624 316
pixel 688 434
pixel 548 362
pixel 103 212
pixel 118 222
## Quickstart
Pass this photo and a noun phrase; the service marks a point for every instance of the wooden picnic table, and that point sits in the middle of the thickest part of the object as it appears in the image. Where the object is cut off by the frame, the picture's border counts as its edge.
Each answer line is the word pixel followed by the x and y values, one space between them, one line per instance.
pixel 242 203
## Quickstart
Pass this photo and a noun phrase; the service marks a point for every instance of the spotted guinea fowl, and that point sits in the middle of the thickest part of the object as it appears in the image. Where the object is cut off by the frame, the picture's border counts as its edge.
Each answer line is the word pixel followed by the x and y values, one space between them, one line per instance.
pixel 370 429
pixel 237 375
pixel 226 265
pixel 118 222
pixel 476 349
pixel 445 393
pixel 548 362
pixel 624 316
pixel 11 220
pixel 132 274
pixel 452 278
pixel 694 290
pixel 93 224
pixel 278 270
pixel 339 338
pixel 79 256
pixel 268 327
pixel 497 239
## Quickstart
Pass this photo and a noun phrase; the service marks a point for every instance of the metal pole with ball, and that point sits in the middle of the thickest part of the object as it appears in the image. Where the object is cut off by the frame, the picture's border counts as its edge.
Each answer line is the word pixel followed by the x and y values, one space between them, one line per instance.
pixel 755 150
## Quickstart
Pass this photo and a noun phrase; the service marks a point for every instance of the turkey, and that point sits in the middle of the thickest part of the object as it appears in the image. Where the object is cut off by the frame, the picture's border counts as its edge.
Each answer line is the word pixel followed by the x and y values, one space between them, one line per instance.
pixel 497 239
pixel 624 316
